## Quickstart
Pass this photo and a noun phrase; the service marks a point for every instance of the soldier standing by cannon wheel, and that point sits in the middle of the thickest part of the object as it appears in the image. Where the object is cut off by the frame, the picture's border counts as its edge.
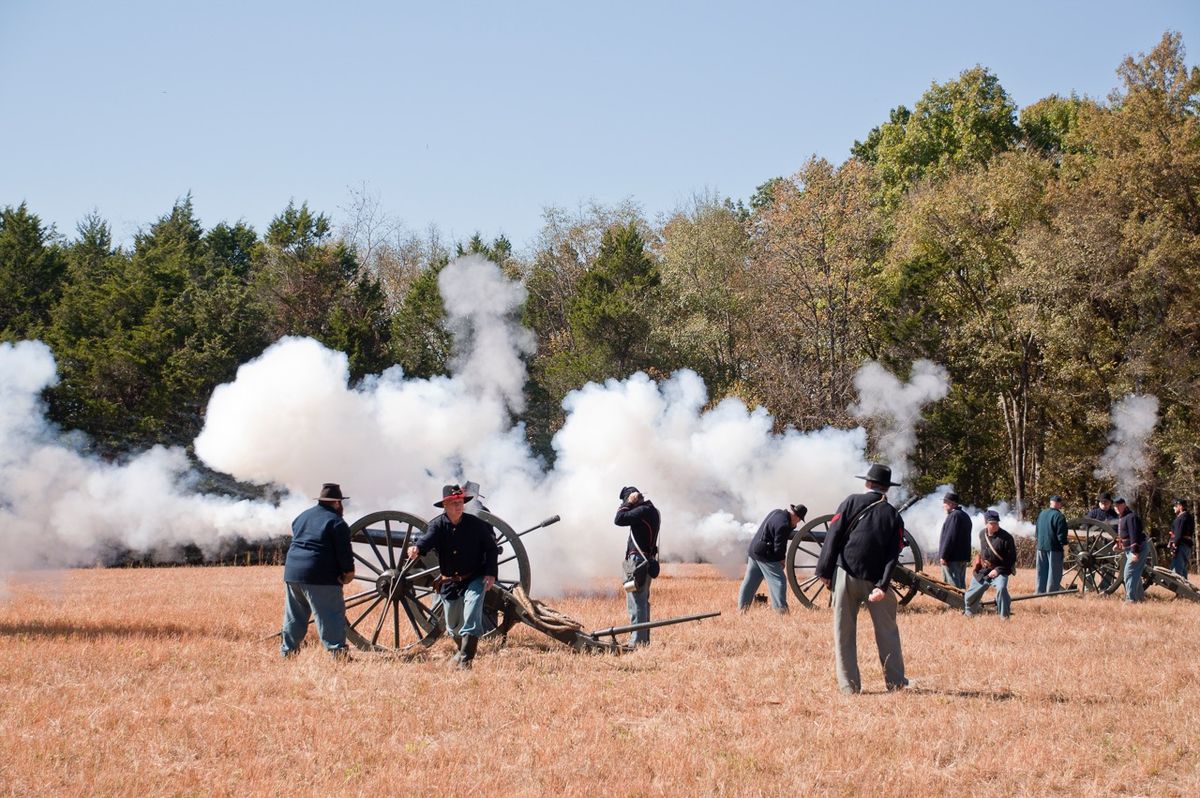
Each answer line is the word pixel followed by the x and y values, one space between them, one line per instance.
pixel 641 556
pixel 466 549
pixel 319 561
pixel 1103 511
pixel 864 542
pixel 1183 537
pixel 954 547
pixel 1132 539
pixel 1051 543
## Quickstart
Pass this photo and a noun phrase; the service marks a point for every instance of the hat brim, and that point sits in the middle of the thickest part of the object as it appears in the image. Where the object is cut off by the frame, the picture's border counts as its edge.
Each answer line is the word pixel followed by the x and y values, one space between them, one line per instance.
pixel 332 499
pixel 466 497
pixel 891 484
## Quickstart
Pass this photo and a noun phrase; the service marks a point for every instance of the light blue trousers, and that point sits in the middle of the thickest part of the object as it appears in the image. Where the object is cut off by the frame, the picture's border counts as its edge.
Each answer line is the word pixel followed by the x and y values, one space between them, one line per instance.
pixel 464 615
pixel 756 572
pixel 954 572
pixel 979 585
pixel 300 602
pixel 1134 589
pixel 1049 571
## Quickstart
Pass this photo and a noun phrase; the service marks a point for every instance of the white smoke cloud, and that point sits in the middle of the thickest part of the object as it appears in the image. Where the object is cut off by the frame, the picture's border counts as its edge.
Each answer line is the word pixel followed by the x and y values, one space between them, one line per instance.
pixel 59 507
pixel 291 419
pixel 924 520
pixel 1126 459
pixel 894 408
pixel 290 416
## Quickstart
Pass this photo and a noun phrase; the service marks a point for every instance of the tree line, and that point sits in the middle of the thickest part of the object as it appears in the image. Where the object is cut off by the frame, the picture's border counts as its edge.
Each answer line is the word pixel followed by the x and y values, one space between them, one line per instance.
pixel 1046 256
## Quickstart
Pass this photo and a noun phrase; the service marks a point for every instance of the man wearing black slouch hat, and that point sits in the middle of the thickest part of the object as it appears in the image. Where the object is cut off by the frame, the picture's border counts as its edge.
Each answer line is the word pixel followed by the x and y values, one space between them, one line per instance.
pixel 862 547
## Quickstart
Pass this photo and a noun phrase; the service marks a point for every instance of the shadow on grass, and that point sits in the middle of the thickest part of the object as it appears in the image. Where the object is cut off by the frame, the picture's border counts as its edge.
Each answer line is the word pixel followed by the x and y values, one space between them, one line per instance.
pixel 1008 695
pixel 952 692
pixel 95 631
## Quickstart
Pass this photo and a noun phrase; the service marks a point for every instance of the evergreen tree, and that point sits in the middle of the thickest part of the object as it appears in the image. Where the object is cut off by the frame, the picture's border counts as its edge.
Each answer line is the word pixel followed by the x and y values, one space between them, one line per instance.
pixel 32 268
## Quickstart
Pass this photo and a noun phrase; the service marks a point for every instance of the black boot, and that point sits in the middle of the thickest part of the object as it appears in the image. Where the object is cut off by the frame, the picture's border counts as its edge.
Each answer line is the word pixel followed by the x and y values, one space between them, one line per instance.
pixel 458 645
pixel 470 642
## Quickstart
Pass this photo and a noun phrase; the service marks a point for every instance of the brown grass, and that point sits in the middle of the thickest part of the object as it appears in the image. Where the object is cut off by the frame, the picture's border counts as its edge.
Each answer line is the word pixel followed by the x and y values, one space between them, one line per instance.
pixel 157 682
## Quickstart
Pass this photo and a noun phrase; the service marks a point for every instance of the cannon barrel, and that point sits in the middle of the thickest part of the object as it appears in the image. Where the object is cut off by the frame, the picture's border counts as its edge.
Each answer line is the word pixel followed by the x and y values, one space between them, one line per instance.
pixel 613 631
pixel 554 519
pixel 1068 592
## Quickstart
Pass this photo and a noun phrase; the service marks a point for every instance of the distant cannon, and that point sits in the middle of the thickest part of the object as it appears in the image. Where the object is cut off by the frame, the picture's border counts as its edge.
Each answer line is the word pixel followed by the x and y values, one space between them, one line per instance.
pixel 399 607
pixel 1093 563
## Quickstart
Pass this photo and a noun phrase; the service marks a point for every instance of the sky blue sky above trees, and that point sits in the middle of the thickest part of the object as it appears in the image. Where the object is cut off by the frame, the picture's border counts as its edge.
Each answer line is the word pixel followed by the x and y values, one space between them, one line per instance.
pixel 474 116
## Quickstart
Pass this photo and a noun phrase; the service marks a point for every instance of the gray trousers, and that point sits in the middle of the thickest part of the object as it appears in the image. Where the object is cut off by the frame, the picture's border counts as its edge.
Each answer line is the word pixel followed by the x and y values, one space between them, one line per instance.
pixel 849 593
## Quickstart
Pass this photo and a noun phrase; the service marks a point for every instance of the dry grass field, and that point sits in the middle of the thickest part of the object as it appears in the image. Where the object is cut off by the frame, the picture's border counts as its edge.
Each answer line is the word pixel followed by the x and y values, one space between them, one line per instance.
pixel 158 682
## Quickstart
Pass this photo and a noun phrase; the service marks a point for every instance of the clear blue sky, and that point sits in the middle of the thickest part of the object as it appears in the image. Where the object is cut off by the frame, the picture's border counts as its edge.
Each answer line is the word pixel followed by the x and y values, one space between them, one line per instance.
pixel 474 115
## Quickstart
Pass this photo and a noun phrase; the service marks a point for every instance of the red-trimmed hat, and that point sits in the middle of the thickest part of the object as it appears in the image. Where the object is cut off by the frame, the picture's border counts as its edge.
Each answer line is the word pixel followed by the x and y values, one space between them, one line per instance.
pixel 453 492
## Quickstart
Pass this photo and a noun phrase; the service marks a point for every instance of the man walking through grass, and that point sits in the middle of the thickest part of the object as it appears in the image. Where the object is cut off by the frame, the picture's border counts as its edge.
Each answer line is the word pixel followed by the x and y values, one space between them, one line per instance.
pixel 467 558
pixel 319 561
pixel 1183 537
pixel 862 547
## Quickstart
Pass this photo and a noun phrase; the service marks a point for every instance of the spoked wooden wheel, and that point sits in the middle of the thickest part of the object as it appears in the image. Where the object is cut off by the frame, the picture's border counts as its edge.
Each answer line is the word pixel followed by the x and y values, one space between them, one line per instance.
pixel 396 604
pixel 801 567
pixel 513 564
pixel 1092 562
pixel 911 557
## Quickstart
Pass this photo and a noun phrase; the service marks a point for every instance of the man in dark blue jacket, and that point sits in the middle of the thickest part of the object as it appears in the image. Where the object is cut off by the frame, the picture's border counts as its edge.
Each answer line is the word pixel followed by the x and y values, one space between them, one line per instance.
pixel 862 547
pixel 954 548
pixel 1183 538
pixel 1051 542
pixel 1132 539
pixel 641 555
pixel 466 550
pixel 765 560
pixel 319 561
pixel 1103 511
pixel 995 563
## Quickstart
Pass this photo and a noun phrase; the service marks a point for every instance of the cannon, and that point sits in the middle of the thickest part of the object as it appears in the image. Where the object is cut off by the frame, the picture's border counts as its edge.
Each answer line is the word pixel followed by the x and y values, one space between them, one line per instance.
pixel 1093 563
pixel 397 607
pixel 907 577
pixel 805 547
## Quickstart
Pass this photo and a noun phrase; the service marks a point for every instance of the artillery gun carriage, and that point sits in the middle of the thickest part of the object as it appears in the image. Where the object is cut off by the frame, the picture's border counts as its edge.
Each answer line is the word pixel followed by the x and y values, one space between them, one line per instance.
pixel 1093 563
pixel 397 607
